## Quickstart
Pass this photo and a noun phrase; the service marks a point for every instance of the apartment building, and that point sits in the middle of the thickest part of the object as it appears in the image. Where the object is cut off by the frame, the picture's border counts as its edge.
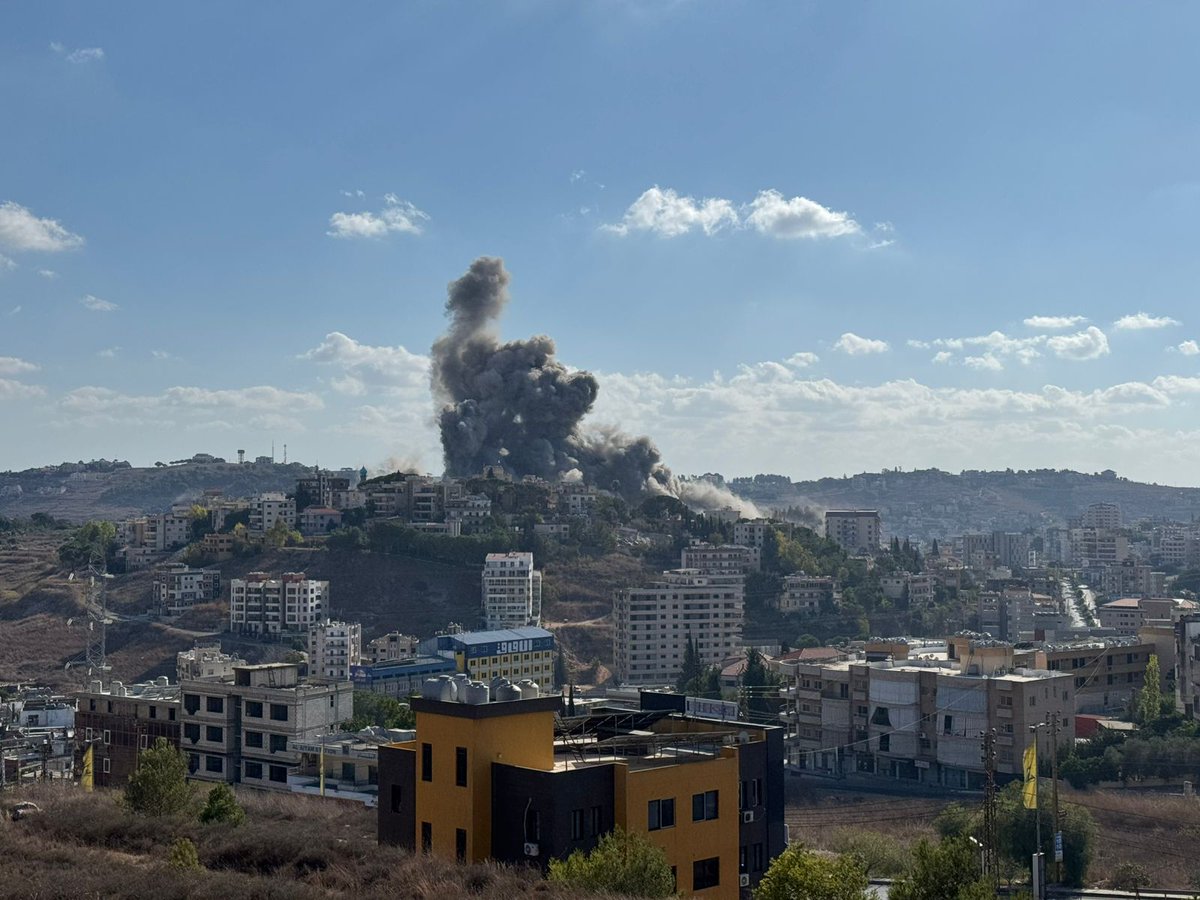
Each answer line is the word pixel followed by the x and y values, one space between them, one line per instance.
pixel 919 720
pixel 752 533
pixel 653 624
pixel 322 487
pixel 266 510
pixel 577 498
pixel 1126 579
pixel 240 730
pixel 315 520
pixel 333 649
pixel 1101 515
pixel 1128 614
pixel 1098 546
pixel 726 559
pixel 473 512
pixel 857 531
pixel 806 594
pixel 512 781
pixel 118 721
pixel 512 591
pixel 147 539
pixel 1187 665
pixel 178 587
pixel 391 646
pixel 290 604
pixel 514 653
pixel 1107 673
pixel 205 661
pixel 907 587
pixel 217 546
pixel 342 766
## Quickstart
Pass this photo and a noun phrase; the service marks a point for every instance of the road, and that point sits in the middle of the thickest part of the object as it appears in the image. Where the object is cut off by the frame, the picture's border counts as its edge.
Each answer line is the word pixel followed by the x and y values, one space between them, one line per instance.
pixel 1071 597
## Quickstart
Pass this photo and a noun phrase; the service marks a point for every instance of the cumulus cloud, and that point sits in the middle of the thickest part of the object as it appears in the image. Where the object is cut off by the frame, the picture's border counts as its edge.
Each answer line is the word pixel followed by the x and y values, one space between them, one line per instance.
pixel 81 55
pixel 18 390
pixel 988 362
pixel 1091 343
pixel 853 345
pixel 108 352
pixel 665 212
pixel 1187 348
pixel 803 360
pixel 21 230
pixel 12 365
pixel 396 216
pixel 1177 384
pixel 48 274
pixel 95 304
pixel 1054 323
pixel 1142 321
pixel 363 365
pixel 943 356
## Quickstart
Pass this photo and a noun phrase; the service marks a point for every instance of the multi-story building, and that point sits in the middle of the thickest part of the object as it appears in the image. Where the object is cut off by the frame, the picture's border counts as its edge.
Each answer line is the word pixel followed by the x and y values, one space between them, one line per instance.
pixel 342 766
pixel 856 531
pixel 579 499
pixel 270 508
pixel 1101 515
pixel 316 520
pixel 512 591
pixel 806 594
pixel 510 780
pixel 915 589
pixel 178 587
pixel 321 487
pixel 1098 546
pixel 1127 614
pixel 334 648
pixel 241 730
pixel 118 721
pixel 1127 579
pixel 752 533
pixel 653 624
pixel 290 604
pixel 515 653
pixel 1187 665
pixel 726 559
pixel 205 661
pixel 400 678
pixel 218 546
pixel 147 539
pixel 472 511
pixel 391 646
pixel 1107 673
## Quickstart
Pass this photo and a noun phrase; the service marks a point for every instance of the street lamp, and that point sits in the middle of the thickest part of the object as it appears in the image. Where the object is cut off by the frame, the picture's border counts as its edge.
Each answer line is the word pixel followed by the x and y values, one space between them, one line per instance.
pixel 982 857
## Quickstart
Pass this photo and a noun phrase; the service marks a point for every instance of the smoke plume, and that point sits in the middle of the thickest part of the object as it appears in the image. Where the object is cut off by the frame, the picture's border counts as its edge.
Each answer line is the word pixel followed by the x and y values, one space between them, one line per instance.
pixel 515 404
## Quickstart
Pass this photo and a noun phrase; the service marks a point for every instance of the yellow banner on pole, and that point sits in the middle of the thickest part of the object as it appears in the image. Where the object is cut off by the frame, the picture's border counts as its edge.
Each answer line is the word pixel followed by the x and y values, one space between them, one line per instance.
pixel 1030 792
pixel 87 777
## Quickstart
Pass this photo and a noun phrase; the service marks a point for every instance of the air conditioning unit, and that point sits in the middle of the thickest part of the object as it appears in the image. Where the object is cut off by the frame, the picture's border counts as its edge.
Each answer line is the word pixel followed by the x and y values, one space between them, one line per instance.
pixel 531 849
pixel 743 881
pixel 748 816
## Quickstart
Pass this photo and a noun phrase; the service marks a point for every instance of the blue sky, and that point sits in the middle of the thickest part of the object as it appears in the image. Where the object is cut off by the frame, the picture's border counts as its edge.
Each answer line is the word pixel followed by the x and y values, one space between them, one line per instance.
pixel 793 237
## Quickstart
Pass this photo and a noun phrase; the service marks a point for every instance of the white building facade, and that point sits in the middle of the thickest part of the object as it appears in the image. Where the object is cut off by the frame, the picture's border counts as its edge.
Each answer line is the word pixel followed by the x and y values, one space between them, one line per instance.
pixel 512 591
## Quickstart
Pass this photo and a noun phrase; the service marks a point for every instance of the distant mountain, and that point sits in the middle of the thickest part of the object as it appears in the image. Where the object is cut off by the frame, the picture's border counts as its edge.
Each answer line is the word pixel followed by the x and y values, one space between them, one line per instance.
pixel 930 503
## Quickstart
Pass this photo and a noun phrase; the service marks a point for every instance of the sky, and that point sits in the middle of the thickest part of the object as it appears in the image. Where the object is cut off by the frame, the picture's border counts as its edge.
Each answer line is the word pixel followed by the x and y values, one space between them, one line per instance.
pixel 804 238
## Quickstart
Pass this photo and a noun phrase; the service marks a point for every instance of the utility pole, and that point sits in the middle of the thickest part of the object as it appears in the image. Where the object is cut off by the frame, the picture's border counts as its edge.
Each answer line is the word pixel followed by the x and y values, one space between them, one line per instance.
pixel 1058 841
pixel 991 870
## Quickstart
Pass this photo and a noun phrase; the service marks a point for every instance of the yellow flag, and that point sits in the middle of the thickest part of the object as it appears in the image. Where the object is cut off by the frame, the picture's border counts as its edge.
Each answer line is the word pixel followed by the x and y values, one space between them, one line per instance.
pixel 87 778
pixel 1030 791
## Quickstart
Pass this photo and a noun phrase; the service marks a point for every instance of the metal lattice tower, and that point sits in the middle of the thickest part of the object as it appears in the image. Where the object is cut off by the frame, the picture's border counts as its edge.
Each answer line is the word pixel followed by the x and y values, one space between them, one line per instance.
pixel 94 659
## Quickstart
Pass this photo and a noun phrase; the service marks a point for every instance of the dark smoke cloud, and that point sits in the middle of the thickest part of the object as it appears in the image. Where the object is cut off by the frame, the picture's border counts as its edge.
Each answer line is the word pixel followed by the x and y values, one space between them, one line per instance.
pixel 513 403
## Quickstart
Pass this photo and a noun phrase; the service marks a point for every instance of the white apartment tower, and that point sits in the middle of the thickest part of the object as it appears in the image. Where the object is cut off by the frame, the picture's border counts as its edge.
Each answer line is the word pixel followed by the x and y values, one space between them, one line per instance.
pixel 333 647
pixel 512 591
pixel 653 624
pixel 856 531
pixel 269 508
pixel 292 603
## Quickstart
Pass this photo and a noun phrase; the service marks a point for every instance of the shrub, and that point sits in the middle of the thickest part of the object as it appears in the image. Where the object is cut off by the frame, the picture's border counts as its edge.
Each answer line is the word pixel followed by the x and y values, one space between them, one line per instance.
pixel 183 855
pixel 802 874
pixel 159 785
pixel 623 862
pixel 222 806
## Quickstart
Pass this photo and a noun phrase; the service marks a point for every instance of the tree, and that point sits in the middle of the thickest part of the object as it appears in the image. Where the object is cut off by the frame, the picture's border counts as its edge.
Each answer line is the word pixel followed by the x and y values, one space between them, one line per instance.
pixel 949 870
pixel 159 785
pixel 92 543
pixel 691 668
pixel 379 710
pixel 880 854
pixel 623 862
pixel 1016 830
pixel 183 855
pixel 759 683
pixel 222 806
pixel 560 669
pixel 802 874
pixel 1150 700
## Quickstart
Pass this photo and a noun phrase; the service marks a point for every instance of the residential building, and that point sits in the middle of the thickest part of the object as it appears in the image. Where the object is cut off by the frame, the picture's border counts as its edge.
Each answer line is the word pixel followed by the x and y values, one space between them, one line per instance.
pixel 319 519
pixel 320 488
pixel 727 559
pixel 806 594
pixel 510 780
pixel 342 766
pixel 118 721
pixel 752 533
pixel 1187 665
pixel 400 678
pixel 217 546
pixel 1107 672
pixel 333 648
pixel 266 510
pixel 857 531
pixel 514 653
pixel 1127 614
pixel 147 539
pixel 242 729
pixel 1095 546
pixel 178 587
pixel 512 591
pixel 205 661
pixel 472 511
pixel 653 624
pixel 290 604
pixel 1101 515
pixel 908 588
pixel 391 646
pixel 579 499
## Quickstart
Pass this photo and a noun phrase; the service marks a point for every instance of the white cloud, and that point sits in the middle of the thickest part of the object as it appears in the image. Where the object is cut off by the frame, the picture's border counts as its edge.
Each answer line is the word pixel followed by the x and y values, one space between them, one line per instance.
pixel 95 304
pixel 49 274
pixel 1177 384
pixel 86 55
pixel 988 362
pixel 943 356
pixel 803 360
pixel 11 365
pixel 667 214
pixel 1141 321
pixel 1091 343
pixel 799 217
pixel 917 345
pixel 93 405
pixel 161 354
pixel 109 352
pixel 1054 323
pixel 396 216
pixel 17 390
pixel 854 345
pixel 1188 348
pixel 20 230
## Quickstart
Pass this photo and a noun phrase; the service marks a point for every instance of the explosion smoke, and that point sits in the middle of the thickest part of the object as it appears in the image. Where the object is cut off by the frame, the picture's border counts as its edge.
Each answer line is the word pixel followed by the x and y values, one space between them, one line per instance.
pixel 517 405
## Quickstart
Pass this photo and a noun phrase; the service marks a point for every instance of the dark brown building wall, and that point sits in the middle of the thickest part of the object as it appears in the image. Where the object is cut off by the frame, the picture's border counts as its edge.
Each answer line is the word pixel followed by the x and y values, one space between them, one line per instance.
pixel 398 796
pixel 127 735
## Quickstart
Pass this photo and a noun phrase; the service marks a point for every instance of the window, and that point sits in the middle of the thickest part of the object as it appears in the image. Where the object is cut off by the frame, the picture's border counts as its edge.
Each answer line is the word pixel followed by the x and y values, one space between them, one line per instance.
pixel 757 857
pixel 107 765
pixel 460 844
pixel 253 709
pixel 279 774
pixel 460 766
pixel 348 771
pixel 278 743
pixel 533 826
pixel 662 814
pixel 427 762
pixel 254 739
pixel 253 769
pixel 214 704
pixel 107 736
pixel 154 712
pixel 704 806
pixel 171 714
pixel 577 824
pixel 279 712
pixel 426 837
pixel 193 763
pixel 596 821
pixel 706 873
pixel 214 733
pixel 885 743
pixel 397 798
pixel 191 732
pixel 214 764
pixel 143 741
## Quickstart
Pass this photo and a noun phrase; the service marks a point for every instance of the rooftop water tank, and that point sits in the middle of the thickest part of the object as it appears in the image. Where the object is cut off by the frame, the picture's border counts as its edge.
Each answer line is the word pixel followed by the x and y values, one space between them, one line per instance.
pixel 476 693
pixel 507 692
pixel 529 688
